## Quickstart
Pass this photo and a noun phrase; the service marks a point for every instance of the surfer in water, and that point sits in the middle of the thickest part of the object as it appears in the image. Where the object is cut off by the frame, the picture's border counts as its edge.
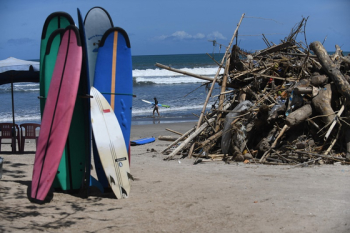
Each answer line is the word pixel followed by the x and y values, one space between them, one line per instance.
pixel 155 106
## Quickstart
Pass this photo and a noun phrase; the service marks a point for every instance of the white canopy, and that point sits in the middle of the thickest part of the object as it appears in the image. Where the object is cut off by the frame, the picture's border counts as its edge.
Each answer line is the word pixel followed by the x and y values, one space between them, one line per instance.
pixel 12 63
pixel 13 70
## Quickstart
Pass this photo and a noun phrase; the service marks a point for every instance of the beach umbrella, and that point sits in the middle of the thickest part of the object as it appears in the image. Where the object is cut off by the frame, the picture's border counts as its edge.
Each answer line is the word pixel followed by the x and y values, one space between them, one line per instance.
pixel 14 70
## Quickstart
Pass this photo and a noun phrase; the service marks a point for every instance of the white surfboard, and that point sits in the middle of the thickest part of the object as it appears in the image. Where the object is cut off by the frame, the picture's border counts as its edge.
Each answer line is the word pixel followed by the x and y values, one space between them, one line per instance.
pixel 160 105
pixel 147 101
pixel 110 144
pixel 97 22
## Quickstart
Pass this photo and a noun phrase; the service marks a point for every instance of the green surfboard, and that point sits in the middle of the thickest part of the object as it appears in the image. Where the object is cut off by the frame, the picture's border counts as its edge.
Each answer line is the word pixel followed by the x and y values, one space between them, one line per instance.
pixel 71 171
pixel 54 21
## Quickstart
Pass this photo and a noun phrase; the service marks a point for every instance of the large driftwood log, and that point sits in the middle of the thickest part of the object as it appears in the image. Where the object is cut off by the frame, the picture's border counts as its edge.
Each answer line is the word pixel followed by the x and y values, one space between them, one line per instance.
pixel 331 69
pixel 222 97
pixel 295 118
pixel 318 80
pixel 299 115
pixel 322 104
pixel 345 59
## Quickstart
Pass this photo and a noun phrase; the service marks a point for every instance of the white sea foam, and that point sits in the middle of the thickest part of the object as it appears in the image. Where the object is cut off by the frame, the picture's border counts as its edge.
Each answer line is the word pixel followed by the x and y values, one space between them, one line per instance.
pixel 163 72
pixel 161 76
pixel 21 87
pixel 26 87
pixel 18 118
pixel 168 80
pixel 26 84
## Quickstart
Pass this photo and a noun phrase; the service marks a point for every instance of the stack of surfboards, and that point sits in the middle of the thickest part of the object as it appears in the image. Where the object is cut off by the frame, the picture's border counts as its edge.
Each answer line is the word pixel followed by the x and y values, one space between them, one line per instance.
pixel 73 61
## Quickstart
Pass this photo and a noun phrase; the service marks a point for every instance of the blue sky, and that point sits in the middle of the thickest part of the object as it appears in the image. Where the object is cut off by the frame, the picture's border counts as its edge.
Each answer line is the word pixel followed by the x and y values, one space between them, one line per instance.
pixel 182 26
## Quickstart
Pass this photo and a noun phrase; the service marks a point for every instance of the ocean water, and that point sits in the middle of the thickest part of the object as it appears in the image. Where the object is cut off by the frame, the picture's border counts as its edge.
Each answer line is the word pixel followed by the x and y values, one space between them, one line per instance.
pixel 184 94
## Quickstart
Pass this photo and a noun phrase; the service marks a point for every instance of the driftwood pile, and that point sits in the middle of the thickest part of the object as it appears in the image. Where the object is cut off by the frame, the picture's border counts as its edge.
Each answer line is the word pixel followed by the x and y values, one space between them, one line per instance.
pixel 286 104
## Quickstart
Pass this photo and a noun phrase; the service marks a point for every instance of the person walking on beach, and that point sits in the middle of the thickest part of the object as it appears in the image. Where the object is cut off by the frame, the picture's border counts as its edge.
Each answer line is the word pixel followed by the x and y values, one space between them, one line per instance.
pixel 155 106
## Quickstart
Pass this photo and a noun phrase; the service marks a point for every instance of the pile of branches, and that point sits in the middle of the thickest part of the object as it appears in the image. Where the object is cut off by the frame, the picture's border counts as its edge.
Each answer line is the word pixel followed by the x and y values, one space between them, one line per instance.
pixel 286 104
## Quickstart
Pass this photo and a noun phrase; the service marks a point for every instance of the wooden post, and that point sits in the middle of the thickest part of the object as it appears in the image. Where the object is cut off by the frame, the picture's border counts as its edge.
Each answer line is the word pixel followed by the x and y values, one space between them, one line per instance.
pixel 173 131
pixel 222 97
pixel 218 72
pixel 185 73
pixel 213 83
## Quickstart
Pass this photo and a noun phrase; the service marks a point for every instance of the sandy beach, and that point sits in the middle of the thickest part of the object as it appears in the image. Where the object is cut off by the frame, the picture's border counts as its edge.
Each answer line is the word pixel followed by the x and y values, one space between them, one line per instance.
pixel 177 196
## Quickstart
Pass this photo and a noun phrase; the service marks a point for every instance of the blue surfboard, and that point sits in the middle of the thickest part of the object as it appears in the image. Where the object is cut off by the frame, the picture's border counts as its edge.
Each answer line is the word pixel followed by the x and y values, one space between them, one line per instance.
pixel 84 92
pixel 113 76
pixel 142 141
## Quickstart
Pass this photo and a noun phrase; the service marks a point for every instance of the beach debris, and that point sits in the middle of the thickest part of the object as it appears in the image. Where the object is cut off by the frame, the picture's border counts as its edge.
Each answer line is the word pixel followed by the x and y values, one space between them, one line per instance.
pixel 173 131
pixel 285 104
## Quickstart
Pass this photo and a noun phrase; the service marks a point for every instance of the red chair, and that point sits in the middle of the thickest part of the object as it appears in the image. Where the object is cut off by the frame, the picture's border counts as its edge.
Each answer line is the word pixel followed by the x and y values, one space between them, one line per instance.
pixel 28 131
pixel 6 132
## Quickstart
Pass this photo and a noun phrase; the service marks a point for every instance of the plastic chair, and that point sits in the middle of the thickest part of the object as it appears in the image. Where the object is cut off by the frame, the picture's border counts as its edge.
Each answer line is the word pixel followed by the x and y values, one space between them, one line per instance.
pixel 28 131
pixel 6 132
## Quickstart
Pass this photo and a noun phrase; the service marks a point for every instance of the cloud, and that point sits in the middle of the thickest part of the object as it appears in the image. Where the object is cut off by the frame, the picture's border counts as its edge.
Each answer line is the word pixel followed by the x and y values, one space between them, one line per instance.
pixel 181 35
pixel 21 41
pixel 216 35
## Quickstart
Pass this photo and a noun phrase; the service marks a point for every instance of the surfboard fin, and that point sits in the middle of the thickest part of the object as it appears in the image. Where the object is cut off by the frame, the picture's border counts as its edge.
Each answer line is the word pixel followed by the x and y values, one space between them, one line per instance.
pixel 130 176
pixel 111 179
pixel 124 194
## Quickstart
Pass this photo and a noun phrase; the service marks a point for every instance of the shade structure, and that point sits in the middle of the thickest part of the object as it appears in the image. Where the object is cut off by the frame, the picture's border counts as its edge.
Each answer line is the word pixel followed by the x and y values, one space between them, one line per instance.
pixel 13 70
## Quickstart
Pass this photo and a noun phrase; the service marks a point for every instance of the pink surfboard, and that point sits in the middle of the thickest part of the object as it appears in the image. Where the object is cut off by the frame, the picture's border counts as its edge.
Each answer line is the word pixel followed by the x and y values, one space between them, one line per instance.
pixel 57 114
